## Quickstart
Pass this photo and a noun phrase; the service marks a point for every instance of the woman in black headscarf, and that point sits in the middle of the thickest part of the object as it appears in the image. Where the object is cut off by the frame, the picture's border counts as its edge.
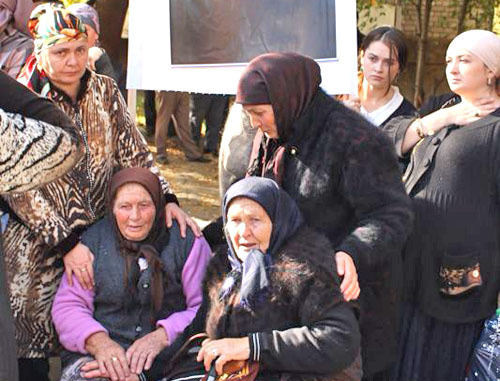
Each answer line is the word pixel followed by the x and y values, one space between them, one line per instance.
pixel 343 174
pixel 277 302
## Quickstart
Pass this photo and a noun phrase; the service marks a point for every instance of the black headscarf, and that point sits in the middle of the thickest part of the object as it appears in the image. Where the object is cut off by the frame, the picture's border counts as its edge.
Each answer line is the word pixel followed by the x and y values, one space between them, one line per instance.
pixel 286 219
pixel 288 81
pixel 155 241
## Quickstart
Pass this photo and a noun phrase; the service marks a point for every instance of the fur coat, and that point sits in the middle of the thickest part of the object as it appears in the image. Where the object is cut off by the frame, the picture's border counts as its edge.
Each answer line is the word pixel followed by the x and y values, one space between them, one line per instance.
pixel 302 329
pixel 343 174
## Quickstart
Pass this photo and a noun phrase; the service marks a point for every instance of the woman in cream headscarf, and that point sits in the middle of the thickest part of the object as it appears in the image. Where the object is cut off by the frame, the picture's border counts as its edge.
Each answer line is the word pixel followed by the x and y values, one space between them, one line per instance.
pixel 452 257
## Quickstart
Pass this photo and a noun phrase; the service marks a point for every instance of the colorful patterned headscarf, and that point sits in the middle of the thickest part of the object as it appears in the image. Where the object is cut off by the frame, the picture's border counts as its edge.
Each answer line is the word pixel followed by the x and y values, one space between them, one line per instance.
pixel 50 24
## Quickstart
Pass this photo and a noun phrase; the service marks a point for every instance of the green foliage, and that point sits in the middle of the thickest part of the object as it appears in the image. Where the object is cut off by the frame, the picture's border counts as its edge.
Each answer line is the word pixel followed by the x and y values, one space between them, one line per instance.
pixel 468 14
pixel 364 7
pixel 69 2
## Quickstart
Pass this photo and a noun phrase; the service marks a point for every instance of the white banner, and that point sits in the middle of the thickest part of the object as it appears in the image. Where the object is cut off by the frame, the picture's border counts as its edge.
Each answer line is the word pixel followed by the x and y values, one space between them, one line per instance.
pixel 149 54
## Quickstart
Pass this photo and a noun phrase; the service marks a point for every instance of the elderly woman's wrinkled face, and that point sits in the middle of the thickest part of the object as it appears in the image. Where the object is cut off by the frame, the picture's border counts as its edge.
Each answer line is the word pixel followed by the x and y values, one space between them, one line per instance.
pixel 248 226
pixel 466 73
pixel 262 116
pixel 134 211
pixel 65 63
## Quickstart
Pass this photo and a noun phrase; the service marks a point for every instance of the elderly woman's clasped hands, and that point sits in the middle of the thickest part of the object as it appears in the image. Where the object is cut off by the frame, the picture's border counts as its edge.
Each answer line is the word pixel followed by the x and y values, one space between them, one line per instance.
pixel 112 361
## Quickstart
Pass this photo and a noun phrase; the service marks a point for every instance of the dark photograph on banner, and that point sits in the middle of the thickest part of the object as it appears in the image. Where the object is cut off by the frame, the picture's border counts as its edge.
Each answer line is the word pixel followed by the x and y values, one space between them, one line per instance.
pixel 215 32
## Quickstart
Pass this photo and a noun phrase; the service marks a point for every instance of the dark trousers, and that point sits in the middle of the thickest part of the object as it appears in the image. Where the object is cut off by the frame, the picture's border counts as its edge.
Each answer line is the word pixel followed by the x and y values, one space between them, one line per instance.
pixel 33 369
pixel 8 356
pixel 212 109
pixel 150 110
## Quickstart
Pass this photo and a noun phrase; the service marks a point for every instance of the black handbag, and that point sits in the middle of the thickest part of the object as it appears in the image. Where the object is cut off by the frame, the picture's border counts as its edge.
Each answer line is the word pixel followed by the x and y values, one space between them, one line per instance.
pixel 184 365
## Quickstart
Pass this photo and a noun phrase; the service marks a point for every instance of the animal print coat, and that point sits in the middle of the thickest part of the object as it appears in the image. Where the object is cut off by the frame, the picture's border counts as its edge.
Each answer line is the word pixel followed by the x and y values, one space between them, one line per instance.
pixel 50 218
pixel 33 152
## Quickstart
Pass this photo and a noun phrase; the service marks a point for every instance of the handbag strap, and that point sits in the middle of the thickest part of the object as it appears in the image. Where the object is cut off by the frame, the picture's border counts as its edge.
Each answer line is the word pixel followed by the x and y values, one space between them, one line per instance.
pixel 185 348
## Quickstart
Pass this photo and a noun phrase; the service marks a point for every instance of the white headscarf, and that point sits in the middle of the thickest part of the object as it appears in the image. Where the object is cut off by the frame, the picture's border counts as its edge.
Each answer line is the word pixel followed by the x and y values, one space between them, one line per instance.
pixel 484 44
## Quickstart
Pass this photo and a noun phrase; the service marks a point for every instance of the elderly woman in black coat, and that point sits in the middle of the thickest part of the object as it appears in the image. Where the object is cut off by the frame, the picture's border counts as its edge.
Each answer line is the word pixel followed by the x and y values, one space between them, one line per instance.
pixel 272 294
pixel 343 174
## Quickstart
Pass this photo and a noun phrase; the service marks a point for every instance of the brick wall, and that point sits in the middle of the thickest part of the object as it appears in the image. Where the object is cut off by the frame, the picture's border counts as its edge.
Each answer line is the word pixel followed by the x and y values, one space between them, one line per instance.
pixel 443 24
pixel 437 27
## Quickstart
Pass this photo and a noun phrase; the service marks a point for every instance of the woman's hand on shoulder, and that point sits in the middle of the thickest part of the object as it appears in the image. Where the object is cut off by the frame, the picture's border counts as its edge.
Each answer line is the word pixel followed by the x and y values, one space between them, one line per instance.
pixel 141 354
pixel 173 211
pixel 94 54
pixel 223 351
pixel 109 355
pixel 353 102
pixel 347 271
pixel 79 261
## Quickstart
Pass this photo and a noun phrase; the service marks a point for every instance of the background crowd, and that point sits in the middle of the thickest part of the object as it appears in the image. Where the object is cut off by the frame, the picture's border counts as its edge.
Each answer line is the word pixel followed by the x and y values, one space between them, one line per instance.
pixel 359 237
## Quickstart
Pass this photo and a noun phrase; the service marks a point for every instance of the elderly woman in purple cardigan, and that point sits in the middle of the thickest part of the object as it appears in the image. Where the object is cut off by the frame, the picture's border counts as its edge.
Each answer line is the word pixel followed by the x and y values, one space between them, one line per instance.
pixel 147 288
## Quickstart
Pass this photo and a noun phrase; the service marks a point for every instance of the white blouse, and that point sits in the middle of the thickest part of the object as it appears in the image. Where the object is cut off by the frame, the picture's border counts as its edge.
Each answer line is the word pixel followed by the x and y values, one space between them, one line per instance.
pixel 378 116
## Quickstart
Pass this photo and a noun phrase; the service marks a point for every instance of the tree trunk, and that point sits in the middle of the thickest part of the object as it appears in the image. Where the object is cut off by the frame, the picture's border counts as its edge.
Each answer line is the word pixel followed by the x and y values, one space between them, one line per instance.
pixel 111 14
pixel 422 46
pixel 462 12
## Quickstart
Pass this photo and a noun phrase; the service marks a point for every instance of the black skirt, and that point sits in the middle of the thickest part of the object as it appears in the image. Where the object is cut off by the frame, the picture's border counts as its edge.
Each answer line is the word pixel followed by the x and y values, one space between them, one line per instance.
pixel 432 349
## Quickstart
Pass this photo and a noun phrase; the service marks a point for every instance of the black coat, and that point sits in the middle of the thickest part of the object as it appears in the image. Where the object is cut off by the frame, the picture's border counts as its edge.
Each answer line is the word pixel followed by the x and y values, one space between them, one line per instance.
pixel 343 174
pixel 104 66
pixel 405 108
pixel 454 181
pixel 18 99
pixel 303 327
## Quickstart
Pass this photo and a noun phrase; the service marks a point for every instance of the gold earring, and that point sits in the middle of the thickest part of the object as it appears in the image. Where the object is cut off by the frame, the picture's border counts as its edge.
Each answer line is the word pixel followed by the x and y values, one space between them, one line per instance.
pixel 489 82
